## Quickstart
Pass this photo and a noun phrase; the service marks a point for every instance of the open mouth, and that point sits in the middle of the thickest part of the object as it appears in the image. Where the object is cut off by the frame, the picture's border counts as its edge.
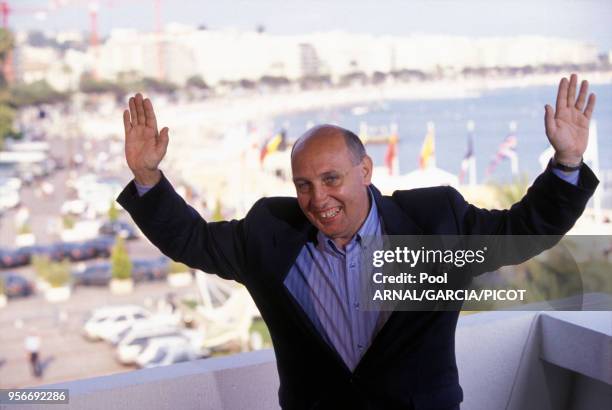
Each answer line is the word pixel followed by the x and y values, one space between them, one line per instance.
pixel 329 214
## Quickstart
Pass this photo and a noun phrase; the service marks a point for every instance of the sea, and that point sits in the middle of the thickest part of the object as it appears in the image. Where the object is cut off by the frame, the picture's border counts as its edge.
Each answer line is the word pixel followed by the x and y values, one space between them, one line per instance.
pixel 492 113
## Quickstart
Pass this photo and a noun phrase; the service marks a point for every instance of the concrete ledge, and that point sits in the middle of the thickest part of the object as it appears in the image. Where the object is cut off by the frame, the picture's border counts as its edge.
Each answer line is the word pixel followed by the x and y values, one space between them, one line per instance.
pixel 506 360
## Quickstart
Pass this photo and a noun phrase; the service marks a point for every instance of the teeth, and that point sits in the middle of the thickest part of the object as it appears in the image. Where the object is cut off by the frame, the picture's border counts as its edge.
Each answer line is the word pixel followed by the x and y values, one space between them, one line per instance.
pixel 330 213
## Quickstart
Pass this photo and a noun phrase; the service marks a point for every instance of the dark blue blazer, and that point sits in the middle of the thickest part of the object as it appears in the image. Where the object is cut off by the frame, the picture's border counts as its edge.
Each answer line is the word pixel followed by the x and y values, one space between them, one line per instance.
pixel 411 362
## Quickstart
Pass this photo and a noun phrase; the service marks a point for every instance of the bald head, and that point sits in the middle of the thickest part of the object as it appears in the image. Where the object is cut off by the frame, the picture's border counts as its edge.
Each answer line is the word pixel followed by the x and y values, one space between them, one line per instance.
pixel 325 133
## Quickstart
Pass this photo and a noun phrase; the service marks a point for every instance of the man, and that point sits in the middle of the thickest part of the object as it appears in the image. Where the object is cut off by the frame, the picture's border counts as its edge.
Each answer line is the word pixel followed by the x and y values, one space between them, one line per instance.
pixel 298 258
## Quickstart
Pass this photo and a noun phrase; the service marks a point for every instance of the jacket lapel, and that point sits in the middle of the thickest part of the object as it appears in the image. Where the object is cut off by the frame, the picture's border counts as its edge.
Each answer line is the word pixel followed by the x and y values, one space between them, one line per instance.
pixel 395 220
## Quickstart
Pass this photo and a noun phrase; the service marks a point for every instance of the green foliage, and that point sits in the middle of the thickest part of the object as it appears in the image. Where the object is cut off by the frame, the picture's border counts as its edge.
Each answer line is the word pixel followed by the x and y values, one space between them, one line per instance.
pixel 7 42
pixel 90 85
pixel 7 113
pixel 41 265
pixel 178 267
pixel 68 222
pixel 36 93
pixel 217 214
pixel 197 81
pixel 2 287
pixel 113 212
pixel 6 122
pixel 509 194
pixel 259 326
pixel 24 229
pixel 190 304
pixel 552 276
pixel 59 274
pixel 160 86
pixel 121 266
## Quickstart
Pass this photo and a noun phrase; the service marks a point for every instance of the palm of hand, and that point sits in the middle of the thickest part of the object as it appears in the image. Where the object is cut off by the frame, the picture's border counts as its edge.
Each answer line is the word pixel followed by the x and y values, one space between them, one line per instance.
pixel 141 148
pixel 570 131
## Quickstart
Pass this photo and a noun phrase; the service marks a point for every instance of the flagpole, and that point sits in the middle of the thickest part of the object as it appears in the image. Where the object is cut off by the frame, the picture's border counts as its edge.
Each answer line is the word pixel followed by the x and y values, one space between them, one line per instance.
pixel 472 161
pixel 396 159
pixel 592 155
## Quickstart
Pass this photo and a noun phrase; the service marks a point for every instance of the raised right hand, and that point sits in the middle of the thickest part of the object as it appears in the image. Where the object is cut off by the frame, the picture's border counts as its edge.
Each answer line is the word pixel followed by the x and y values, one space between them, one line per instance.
pixel 144 146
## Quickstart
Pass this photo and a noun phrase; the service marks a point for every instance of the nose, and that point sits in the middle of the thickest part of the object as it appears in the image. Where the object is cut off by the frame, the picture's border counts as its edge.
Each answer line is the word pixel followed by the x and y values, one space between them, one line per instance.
pixel 319 196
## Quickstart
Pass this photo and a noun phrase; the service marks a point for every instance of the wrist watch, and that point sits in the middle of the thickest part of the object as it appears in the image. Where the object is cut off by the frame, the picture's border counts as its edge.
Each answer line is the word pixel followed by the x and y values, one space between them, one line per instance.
pixel 563 167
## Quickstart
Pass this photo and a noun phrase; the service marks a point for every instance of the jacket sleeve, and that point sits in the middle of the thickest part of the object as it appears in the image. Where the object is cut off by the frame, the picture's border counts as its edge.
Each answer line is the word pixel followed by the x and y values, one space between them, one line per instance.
pixel 548 210
pixel 551 206
pixel 182 234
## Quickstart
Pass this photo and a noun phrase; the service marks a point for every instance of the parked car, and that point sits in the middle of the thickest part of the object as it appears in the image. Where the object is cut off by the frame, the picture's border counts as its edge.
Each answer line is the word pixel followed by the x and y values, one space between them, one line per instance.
pixel 9 197
pixel 150 269
pixel 106 324
pixel 133 340
pixel 158 323
pixel 96 274
pixel 103 245
pixel 78 251
pixel 163 351
pixel 73 207
pixel 121 228
pixel 16 285
pixel 11 258
pixel 51 251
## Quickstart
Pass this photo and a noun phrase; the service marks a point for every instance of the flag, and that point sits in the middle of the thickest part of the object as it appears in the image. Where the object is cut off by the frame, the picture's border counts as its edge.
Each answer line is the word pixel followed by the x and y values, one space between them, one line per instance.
pixel 506 150
pixel 428 150
pixel 270 146
pixel 468 158
pixel 391 154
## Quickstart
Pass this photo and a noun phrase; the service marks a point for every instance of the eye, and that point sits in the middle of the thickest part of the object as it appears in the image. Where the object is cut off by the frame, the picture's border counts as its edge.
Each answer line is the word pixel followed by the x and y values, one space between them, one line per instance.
pixel 302 187
pixel 331 179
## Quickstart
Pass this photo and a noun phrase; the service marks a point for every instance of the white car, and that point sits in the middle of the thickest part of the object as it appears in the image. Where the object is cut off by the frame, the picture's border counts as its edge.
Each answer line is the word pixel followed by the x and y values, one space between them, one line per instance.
pixel 167 350
pixel 107 322
pixel 74 207
pixel 134 342
pixel 9 197
pixel 158 322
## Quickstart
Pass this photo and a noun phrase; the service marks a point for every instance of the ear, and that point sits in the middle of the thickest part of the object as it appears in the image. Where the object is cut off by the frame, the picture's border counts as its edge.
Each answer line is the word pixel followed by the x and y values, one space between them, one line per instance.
pixel 366 169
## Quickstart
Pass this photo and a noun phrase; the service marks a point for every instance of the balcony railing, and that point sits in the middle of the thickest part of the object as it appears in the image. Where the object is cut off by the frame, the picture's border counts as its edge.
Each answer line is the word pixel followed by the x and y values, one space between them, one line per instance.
pixel 506 360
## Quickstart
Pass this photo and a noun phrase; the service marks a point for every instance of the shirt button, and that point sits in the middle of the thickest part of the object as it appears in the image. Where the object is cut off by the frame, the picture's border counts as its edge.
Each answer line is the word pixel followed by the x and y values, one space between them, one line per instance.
pixel 352 265
pixel 356 304
pixel 360 346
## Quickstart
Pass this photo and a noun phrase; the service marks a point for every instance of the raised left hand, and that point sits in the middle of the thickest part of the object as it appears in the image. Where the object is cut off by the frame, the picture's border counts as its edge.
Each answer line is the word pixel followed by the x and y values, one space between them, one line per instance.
pixel 567 127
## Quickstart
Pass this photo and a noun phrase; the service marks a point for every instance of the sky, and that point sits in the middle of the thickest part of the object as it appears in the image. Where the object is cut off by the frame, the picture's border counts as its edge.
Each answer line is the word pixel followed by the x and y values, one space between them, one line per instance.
pixel 585 20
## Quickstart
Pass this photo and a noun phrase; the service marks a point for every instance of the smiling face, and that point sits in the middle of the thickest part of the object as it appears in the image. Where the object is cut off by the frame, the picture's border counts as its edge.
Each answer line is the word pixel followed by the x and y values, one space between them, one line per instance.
pixel 331 184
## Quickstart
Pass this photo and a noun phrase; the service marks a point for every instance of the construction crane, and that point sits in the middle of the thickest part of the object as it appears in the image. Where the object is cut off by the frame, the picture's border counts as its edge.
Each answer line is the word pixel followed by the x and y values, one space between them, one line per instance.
pixel 6 10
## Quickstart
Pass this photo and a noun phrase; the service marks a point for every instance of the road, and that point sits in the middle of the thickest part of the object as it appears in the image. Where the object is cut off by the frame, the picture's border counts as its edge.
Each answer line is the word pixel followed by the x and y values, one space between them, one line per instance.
pixel 64 352
pixel 66 355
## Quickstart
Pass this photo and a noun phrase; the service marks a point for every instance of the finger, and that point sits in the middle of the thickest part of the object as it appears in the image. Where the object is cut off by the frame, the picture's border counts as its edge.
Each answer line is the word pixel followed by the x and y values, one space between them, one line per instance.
pixel 549 120
pixel 140 114
pixel 163 136
pixel 588 112
pixel 132 105
pixel 163 140
pixel 562 95
pixel 127 126
pixel 571 92
pixel 584 87
pixel 150 119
